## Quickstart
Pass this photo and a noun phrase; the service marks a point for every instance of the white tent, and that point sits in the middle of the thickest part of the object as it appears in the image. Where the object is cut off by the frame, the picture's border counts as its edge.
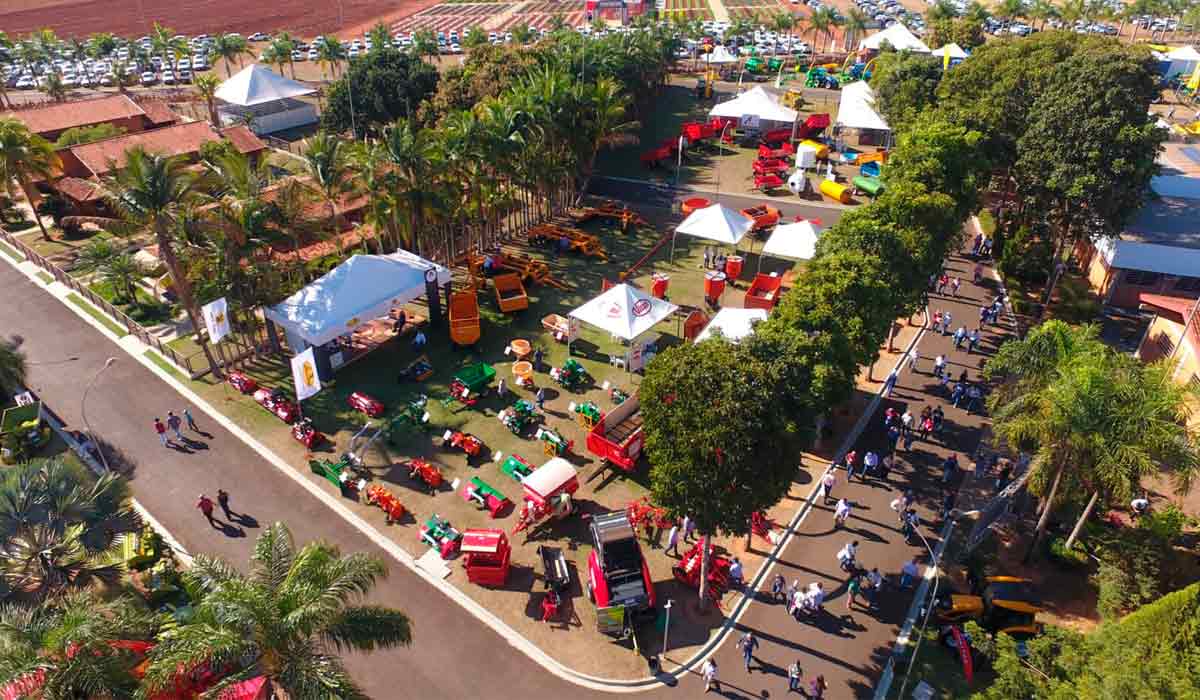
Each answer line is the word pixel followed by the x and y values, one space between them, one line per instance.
pixel 363 288
pixel 757 102
pixel 856 108
pixel 719 56
pixel 954 50
pixel 734 324
pixel 798 241
pixel 898 36
pixel 256 85
pixel 624 311
pixel 717 223
pixel 1183 60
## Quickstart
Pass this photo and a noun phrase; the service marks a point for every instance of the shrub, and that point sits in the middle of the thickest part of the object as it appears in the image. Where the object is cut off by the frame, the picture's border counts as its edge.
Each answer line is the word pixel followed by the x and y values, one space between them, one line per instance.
pixel 1131 572
pixel 1074 557
pixel 1167 524
pixel 1026 256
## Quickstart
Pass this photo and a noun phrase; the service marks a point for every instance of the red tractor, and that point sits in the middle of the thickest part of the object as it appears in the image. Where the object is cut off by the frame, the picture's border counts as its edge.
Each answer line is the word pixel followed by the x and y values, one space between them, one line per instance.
pixel 363 403
pixel 278 403
pixel 241 382
pixel 466 442
pixel 617 571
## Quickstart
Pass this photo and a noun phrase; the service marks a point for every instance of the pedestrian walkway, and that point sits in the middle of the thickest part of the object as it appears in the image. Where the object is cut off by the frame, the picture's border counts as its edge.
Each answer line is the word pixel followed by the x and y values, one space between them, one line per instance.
pixel 851 648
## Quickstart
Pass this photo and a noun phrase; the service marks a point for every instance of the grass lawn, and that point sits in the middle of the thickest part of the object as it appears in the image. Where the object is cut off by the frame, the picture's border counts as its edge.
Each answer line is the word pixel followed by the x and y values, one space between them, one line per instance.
pixel 147 311
pixel 11 252
pixel 97 314
pixel 166 365
pixel 45 277
pixel 377 375
pixel 59 249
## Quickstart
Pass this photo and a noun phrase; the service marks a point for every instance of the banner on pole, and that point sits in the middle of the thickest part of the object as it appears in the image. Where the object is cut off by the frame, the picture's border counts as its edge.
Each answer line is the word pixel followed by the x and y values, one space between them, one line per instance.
pixel 216 319
pixel 304 374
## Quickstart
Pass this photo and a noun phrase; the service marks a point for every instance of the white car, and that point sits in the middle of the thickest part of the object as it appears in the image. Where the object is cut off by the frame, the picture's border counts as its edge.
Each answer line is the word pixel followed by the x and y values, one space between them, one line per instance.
pixel 455 48
pixel 313 54
pixel 258 36
pixel 297 56
pixel 353 52
pixel 25 82
pixel 168 77
pixel 185 75
pixel 108 79
pixel 149 78
pixel 184 64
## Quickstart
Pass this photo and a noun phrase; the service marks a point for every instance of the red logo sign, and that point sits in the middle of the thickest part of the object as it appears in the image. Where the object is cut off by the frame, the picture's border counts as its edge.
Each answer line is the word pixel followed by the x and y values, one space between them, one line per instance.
pixel 614 311
pixel 641 307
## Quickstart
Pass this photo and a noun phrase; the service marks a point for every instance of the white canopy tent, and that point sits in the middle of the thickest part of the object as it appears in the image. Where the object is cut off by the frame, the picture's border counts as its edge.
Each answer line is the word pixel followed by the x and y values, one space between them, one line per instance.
pixel 734 324
pixel 1183 61
pixel 953 50
pixel 363 288
pixel 266 96
pixel 624 311
pixel 758 102
pixel 856 110
pixel 716 223
pixel 797 241
pixel 898 36
pixel 719 56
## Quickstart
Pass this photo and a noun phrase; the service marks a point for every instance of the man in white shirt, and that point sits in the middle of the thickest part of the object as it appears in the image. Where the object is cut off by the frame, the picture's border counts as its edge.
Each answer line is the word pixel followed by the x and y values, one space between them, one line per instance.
pixel 939 365
pixel 735 572
pixel 847 554
pixel 870 462
pixel 815 597
pixel 827 483
pixel 907 420
pixel 874 584
pixel 841 513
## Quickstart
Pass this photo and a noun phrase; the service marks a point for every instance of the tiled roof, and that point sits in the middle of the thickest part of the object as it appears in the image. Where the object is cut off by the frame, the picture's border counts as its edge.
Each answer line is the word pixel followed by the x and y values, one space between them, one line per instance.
pixel 158 112
pixel 65 115
pixel 104 156
pixel 78 189
pixel 243 139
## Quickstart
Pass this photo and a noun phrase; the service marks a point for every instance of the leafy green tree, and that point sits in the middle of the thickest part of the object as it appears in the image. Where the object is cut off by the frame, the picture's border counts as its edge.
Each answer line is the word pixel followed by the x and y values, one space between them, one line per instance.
pixel 13 366
pixel 87 134
pixel 387 85
pixel 327 164
pixel 718 452
pixel 380 37
pixel 101 44
pixel 905 86
pixel 24 158
pixel 229 48
pixel 965 32
pixel 424 44
pixel 285 619
pixel 474 37
pixel 52 84
pixel 206 86
pixel 523 34
pixel 945 158
pixel 330 53
pixel 165 45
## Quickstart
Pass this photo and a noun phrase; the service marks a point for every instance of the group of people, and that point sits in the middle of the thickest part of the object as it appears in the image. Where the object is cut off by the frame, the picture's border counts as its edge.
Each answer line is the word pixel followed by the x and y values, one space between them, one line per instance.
pixel 714 259
pixel 747 644
pixel 175 425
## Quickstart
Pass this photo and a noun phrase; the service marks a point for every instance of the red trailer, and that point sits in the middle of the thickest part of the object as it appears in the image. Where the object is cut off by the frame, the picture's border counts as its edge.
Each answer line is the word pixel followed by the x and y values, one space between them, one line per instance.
pixel 617 436
pixel 813 126
pixel 766 183
pixel 763 166
pixel 763 292
pixel 782 153
pixel 777 136
pixel 486 555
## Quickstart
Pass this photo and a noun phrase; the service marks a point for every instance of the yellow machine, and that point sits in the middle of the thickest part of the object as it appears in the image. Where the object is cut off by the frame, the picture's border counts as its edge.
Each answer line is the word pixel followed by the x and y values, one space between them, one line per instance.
pixel 1006 604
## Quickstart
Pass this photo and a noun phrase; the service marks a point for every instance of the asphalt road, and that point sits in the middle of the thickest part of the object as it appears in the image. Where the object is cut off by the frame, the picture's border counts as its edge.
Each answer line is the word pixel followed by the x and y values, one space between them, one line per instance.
pixel 455 656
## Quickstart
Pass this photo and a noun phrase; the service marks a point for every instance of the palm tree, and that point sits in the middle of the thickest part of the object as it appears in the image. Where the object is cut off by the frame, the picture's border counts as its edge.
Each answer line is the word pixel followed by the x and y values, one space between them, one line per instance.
pixel 424 43
pixel 153 192
pixel 856 23
pixel 12 365
pixel 327 165
pixel 229 48
pixel 166 46
pixel 474 37
pixel 1043 11
pixel 976 12
pixel 282 45
pixel 379 36
pixel 53 86
pixel 285 620
pixel 523 33
pixel 415 162
pixel 1010 10
pixel 118 269
pixel 330 53
pixel 24 158
pixel 101 44
pixel 207 84
pixel 605 120
pixel 58 530
pixel 373 171
pixel 816 26
pixel 77 646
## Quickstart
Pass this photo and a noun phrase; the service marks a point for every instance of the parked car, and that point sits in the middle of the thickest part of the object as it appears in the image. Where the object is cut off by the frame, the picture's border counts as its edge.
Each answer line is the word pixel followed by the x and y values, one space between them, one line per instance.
pixel 168 77
pixel 258 36
pixel 149 78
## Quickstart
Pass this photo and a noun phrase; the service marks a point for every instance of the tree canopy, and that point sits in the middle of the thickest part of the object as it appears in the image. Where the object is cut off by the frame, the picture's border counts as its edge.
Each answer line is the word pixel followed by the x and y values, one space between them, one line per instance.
pixel 905 85
pixel 385 85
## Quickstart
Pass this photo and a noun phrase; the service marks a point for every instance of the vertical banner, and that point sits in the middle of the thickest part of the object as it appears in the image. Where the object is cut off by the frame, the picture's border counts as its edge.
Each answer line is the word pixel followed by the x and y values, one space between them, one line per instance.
pixel 216 319
pixel 304 374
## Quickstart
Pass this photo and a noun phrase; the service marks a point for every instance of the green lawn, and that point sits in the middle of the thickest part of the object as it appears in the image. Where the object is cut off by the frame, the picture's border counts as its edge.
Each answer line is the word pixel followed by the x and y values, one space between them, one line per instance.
pixel 97 314
pixel 166 365
pixel 59 248
pixel 45 277
pixel 10 252
pixel 148 311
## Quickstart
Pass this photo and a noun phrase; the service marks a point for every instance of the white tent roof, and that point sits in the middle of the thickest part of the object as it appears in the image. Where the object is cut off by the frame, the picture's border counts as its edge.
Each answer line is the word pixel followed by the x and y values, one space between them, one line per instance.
pixel 550 476
pixel 364 287
pixel 624 311
pixel 717 223
pixel 1184 53
pixel 734 324
pixel 756 101
pixel 256 85
pixel 856 109
pixel 798 240
pixel 898 36
pixel 953 49
pixel 720 55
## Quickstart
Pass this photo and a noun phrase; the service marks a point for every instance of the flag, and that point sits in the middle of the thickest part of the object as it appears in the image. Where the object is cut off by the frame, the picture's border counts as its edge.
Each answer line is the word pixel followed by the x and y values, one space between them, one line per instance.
pixel 216 319
pixel 304 374
pixel 945 58
pixel 1193 83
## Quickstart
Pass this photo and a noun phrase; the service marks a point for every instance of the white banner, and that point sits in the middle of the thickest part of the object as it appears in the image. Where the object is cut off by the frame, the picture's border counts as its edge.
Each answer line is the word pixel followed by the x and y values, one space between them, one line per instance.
pixel 304 374
pixel 216 319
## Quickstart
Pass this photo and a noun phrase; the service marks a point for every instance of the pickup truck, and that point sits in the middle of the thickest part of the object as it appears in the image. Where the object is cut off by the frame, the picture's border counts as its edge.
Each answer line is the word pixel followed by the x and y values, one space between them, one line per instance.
pixel 617 571
pixel 617 437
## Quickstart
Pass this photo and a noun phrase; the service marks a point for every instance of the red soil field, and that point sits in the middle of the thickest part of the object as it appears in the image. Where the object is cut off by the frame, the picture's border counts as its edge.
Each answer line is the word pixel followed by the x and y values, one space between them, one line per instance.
pixel 306 18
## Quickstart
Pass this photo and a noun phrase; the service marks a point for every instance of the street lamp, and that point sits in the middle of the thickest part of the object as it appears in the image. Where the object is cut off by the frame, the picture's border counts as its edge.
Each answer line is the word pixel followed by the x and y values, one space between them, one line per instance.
pixel 954 516
pixel 83 411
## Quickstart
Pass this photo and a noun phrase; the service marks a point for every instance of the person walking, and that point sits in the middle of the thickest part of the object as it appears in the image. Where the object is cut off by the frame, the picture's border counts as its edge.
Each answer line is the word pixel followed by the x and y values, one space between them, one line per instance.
pixel 735 573
pixel 874 586
pixel 205 505
pixel 794 677
pixel 540 398
pixel 959 336
pixel 939 366
pixel 946 316
pixel 709 673
pixel 978 273
pixel 906 421
pixel 853 588
pixel 827 483
pixel 748 643
pixel 817 688
pixel 846 556
pixel 978 242
pixel 161 430
pixel 689 527
pixel 973 397
pixel 778 584
pixel 537 359
pixel 957 394
pixel 889 384
pixel 673 541
pixel 910 521
pixel 191 422
pixel 174 423
pixel 954 284
pixel 841 512
pixel 972 340
pixel 983 316
pixel 909 573
pixel 913 359
pixel 501 388
pixel 223 501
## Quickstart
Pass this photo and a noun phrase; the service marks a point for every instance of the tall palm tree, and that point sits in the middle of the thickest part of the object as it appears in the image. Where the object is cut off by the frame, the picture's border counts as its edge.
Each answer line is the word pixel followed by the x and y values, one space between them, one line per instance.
pixel 207 84
pixel 282 44
pixel 855 24
pixel 229 48
pixel 380 37
pixel 165 45
pixel 416 163
pixel 53 86
pixel 326 162
pixel 424 43
pixel 605 120
pixel 24 158
pixel 1011 10
pixel 817 25
pixel 153 192
pixel 76 646
pixel 12 365
pixel 330 53
pixel 285 620
pixel 375 176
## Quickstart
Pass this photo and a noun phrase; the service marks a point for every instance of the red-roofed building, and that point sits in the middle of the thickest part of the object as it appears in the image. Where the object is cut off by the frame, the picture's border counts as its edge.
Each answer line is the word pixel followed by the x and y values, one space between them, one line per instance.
pixel 49 121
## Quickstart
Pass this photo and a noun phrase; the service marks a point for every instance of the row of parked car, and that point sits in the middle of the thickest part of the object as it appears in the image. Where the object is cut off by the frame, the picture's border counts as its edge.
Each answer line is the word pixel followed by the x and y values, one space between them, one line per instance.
pixel 131 59
pixel 884 13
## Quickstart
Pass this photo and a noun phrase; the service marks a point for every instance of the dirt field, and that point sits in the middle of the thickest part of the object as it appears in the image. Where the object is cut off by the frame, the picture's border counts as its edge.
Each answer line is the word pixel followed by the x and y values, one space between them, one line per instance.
pixel 134 17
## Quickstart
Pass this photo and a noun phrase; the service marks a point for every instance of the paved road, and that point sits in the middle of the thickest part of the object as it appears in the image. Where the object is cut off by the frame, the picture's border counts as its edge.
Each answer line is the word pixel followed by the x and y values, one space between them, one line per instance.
pixel 848 649
pixel 652 194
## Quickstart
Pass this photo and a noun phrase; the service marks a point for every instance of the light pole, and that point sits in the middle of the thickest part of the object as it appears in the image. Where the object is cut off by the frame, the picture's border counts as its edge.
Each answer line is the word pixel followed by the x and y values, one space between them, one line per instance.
pixel 83 411
pixel 954 516
pixel 666 627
